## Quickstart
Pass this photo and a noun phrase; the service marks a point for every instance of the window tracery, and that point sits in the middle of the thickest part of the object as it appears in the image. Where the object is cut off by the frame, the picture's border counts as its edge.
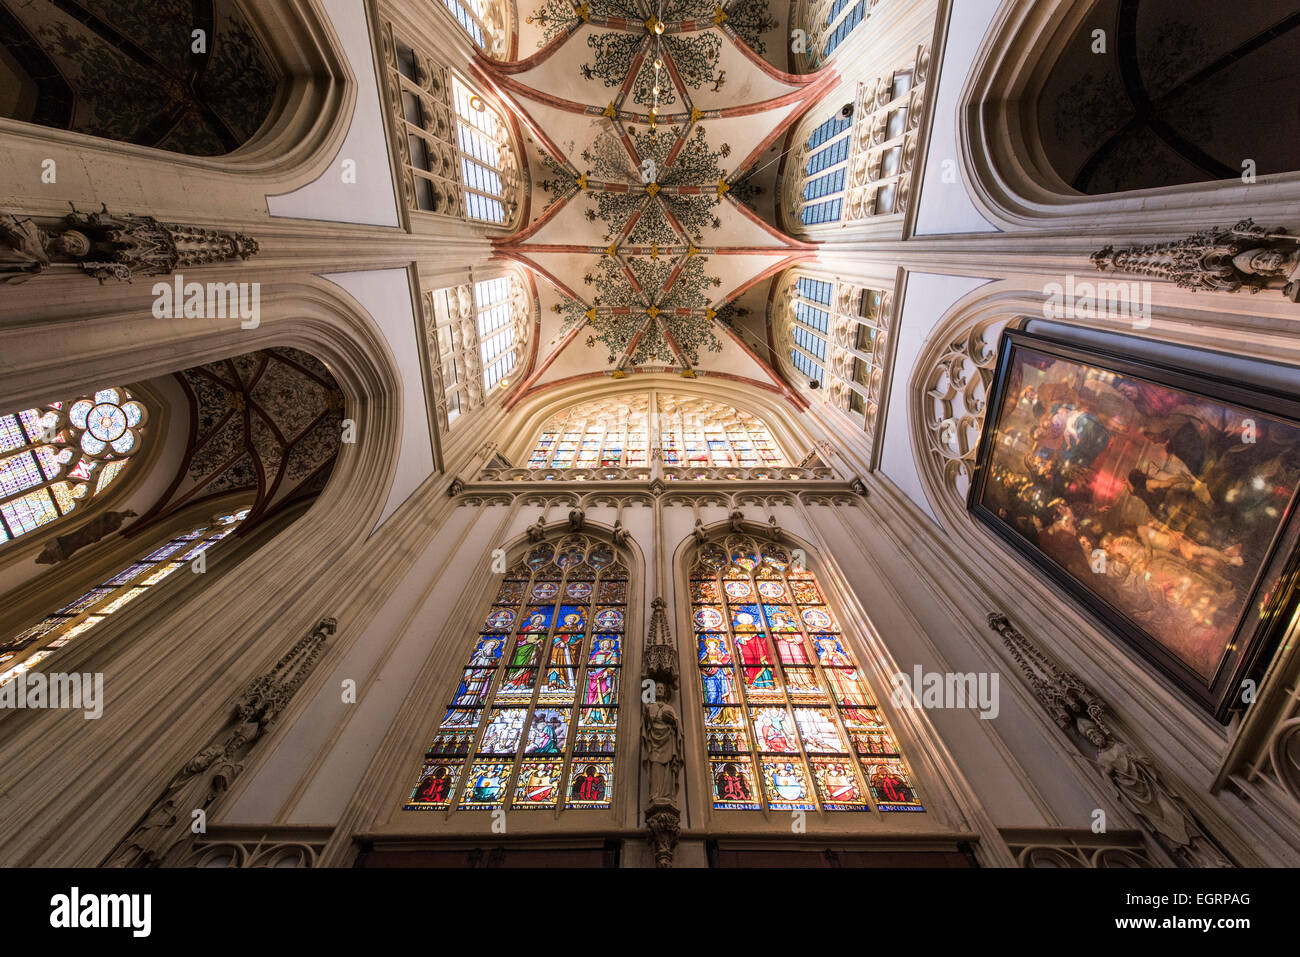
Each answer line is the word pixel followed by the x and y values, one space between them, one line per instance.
pixel 57 456
pixel 533 719
pixel 476 333
pixel 837 334
pixel 622 431
pixel 488 23
pixel 789 721
pixel 454 146
pixel 857 168
pixel 31 647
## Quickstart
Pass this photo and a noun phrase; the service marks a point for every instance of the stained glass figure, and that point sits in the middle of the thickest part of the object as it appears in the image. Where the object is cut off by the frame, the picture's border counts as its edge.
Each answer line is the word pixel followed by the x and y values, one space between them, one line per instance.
pixel 532 722
pixel 789 721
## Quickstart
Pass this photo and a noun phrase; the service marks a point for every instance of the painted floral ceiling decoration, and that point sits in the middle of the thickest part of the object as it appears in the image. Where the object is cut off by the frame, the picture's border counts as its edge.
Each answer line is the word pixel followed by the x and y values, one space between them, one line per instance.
pixel 647 119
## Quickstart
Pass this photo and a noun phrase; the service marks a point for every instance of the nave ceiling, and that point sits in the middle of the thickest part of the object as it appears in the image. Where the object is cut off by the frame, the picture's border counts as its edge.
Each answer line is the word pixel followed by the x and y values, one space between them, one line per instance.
pixel 651 213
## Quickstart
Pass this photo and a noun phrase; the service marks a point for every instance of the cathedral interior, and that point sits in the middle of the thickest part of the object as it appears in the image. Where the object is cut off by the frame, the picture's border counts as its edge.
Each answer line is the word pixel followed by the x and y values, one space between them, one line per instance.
pixel 649 434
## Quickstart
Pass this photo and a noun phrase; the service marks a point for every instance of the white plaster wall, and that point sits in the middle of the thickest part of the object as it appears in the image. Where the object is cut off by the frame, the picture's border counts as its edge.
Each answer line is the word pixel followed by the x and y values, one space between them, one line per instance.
pixel 947 207
pixel 387 295
pixel 926 298
pixel 372 199
pixel 393 655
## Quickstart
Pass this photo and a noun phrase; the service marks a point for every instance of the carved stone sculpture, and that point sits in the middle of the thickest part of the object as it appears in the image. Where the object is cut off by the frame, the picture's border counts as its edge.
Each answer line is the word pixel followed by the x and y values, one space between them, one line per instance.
pixel 63 547
pixel 537 530
pixel 661 747
pixel 1244 256
pixel 620 534
pixel 1132 775
pixel 109 246
pixel 163 835
pixel 577 518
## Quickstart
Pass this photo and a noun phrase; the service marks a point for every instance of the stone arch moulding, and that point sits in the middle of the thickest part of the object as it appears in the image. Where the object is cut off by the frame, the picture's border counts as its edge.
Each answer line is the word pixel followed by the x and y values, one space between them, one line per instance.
pixel 308 122
pixel 315 317
pixel 951 804
pixel 790 430
pixel 1006 169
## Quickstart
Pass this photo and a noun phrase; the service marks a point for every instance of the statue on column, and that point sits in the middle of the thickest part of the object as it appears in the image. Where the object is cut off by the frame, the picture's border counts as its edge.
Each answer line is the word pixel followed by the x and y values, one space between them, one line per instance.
pixel 109 246
pixel 662 746
pixel 1244 256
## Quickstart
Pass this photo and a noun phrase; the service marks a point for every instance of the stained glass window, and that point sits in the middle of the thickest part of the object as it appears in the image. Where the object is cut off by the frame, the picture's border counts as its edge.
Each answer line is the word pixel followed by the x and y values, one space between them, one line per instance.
pixel 620 431
pixel 56 457
pixel 22 653
pixel 789 721
pixel 532 720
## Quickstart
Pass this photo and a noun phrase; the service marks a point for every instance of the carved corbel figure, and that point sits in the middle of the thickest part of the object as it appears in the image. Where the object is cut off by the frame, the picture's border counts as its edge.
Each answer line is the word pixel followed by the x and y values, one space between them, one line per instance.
pixel 1243 256
pixel 698 532
pixel 577 518
pixel 621 534
pixel 537 530
pixel 737 520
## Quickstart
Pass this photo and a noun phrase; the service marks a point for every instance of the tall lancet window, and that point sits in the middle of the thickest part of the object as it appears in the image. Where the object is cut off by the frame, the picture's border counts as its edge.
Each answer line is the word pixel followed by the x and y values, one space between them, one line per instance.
pixel 789 721
pixel 28 649
pixel 532 720
pixel 822 200
pixel 55 458
pixel 486 21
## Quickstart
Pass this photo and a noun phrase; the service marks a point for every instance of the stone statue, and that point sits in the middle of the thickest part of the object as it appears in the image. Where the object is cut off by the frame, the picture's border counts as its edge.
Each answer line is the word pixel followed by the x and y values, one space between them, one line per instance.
pixel 1243 256
pixel 163 835
pixel 108 246
pixel 63 547
pixel 1080 713
pixel 661 747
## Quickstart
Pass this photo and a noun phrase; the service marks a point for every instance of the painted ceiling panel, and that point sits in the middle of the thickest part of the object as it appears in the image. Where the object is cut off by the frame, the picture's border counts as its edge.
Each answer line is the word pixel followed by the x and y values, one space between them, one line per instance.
pixel 646 119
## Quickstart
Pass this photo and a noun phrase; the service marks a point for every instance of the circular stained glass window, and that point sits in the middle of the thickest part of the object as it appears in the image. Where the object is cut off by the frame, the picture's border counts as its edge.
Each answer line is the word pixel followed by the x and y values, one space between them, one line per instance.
pixel 106 422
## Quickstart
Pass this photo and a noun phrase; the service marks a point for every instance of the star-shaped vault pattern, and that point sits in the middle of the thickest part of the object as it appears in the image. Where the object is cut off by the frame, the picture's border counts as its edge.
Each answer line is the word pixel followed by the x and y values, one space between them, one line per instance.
pixel 645 115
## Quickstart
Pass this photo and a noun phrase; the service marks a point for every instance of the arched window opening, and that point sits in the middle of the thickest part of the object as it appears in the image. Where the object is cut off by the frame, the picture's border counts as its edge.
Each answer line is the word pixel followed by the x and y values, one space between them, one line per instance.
pixel 789 722
pixel 831 23
pixel 24 652
pixel 619 431
pixel 855 165
pixel 837 335
pixel 455 147
pixel 486 21
pixel 476 335
pixel 533 719
pixel 1129 115
pixel 136 74
pixel 59 456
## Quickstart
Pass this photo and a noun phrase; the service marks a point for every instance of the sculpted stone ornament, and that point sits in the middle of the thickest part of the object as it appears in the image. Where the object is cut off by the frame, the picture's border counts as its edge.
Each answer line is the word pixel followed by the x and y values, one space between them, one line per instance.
pixel 620 534
pixel 108 246
pixel 163 836
pixel 537 530
pixel 661 755
pixel 455 488
pixel 660 652
pixel 577 518
pixel 63 547
pixel 1227 259
pixel 1133 776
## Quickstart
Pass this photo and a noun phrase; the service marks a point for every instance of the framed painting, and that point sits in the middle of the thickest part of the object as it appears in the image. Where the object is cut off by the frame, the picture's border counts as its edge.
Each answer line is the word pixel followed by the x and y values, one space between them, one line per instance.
pixel 1162 500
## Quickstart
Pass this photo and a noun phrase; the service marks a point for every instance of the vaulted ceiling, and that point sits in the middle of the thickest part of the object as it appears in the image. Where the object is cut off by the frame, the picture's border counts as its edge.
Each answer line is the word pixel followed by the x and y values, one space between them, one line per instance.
pixel 653 131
